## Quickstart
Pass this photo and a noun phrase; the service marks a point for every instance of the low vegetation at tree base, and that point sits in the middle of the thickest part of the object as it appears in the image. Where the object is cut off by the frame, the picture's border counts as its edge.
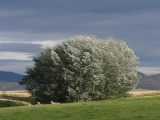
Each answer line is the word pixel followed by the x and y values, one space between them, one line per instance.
pixel 82 69
pixel 117 109
pixel 10 103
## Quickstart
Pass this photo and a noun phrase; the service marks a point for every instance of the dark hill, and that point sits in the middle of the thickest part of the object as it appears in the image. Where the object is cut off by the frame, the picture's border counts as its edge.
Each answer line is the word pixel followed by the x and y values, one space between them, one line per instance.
pixel 151 82
pixel 141 74
pixel 10 77
pixel 10 81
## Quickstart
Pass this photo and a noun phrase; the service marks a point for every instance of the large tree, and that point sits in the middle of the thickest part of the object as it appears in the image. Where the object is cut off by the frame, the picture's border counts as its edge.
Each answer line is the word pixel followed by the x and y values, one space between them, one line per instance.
pixel 82 69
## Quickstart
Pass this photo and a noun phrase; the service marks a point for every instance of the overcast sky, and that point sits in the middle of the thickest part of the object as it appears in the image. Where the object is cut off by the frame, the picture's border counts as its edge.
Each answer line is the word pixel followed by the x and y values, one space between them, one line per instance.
pixel 27 26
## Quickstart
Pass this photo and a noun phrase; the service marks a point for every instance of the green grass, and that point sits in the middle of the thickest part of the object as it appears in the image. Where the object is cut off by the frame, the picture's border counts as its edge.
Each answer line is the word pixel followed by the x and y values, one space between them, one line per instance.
pixel 18 98
pixel 10 103
pixel 120 109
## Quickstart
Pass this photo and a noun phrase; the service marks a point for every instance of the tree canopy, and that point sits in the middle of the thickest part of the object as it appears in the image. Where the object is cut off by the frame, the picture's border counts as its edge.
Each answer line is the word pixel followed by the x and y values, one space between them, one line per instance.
pixel 83 68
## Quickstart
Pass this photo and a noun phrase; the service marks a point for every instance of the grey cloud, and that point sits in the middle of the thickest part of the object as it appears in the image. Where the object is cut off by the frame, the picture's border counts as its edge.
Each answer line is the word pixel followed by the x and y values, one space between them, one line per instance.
pixel 20 47
pixel 21 36
pixel 133 21
pixel 84 5
pixel 18 66
pixel 60 16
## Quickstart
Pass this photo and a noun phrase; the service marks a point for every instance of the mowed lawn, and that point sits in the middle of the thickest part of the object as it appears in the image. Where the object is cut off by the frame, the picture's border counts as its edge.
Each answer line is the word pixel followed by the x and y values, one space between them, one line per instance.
pixel 147 108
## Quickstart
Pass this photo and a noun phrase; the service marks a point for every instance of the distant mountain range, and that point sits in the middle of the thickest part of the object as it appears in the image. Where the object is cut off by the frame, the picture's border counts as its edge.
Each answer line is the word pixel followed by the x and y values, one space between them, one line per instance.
pixel 10 77
pixel 10 80
pixel 151 82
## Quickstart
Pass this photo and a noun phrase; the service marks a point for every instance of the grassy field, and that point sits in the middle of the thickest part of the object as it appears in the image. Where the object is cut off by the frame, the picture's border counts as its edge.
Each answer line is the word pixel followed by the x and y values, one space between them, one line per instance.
pixel 9 103
pixel 144 93
pixel 145 108
pixel 12 98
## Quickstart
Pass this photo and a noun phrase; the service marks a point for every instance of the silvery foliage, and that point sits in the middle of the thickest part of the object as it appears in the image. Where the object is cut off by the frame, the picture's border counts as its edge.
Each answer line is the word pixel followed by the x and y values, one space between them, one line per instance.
pixel 83 69
pixel 97 69
pixel 120 67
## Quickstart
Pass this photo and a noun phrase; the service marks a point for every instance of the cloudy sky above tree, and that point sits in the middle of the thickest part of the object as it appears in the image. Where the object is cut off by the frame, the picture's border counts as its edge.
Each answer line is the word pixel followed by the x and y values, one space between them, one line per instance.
pixel 27 26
